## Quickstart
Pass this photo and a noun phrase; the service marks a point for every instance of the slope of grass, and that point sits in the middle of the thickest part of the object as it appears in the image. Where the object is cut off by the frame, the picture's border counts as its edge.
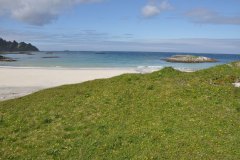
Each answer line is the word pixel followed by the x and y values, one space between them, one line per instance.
pixel 163 115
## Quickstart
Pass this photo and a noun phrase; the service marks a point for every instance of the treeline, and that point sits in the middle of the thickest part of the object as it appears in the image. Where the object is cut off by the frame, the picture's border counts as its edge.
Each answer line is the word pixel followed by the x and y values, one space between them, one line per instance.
pixel 15 46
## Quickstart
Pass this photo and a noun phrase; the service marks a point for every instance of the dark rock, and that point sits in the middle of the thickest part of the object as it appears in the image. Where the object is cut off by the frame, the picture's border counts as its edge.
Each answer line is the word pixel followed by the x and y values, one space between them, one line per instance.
pixel 51 57
pixel 6 59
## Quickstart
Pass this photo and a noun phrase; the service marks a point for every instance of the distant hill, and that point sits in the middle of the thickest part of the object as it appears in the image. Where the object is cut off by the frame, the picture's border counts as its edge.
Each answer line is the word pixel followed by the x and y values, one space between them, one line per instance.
pixel 15 46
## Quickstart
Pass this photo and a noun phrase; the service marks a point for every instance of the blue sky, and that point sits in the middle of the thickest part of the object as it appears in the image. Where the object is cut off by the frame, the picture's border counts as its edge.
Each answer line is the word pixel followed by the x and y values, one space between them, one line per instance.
pixel 211 26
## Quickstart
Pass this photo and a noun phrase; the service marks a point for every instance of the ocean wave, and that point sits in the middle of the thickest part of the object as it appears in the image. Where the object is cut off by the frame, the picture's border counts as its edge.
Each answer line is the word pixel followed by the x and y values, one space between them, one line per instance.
pixel 148 69
pixel 185 69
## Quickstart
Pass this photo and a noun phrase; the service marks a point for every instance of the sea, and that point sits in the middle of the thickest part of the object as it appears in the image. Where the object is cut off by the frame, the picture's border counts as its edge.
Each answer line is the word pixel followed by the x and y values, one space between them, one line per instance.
pixel 141 61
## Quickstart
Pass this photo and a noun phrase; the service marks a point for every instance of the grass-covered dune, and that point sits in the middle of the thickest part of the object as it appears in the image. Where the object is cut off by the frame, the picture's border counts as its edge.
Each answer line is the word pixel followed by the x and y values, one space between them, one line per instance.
pixel 167 114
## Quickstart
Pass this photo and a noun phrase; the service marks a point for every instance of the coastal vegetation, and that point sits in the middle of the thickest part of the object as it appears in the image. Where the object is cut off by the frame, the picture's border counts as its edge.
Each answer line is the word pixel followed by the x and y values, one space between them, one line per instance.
pixel 166 114
pixel 11 46
pixel 189 59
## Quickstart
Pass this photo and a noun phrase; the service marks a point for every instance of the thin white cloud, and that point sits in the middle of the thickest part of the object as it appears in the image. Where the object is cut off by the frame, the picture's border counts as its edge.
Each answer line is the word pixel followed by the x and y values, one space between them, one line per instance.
pixel 153 8
pixel 37 12
pixel 94 40
pixel 206 16
pixel 228 46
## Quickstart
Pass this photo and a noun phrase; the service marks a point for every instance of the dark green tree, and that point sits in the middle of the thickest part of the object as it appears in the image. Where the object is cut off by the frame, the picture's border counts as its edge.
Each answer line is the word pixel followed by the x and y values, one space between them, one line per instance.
pixel 15 46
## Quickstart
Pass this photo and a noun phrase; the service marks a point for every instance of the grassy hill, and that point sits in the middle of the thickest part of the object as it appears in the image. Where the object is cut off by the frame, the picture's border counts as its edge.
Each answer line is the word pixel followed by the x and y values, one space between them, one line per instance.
pixel 163 115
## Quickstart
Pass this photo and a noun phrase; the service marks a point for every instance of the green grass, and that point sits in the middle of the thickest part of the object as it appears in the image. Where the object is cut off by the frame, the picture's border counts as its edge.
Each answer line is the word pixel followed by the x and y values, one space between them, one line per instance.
pixel 163 115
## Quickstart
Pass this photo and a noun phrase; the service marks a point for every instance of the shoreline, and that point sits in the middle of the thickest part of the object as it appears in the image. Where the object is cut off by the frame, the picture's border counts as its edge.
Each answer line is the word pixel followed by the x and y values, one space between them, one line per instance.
pixel 138 69
pixel 69 68
pixel 16 81
pixel 20 81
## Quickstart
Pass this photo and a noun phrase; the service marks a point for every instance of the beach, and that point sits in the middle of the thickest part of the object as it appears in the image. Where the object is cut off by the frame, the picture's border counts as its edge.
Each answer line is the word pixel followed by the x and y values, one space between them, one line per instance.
pixel 20 81
pixel 33 71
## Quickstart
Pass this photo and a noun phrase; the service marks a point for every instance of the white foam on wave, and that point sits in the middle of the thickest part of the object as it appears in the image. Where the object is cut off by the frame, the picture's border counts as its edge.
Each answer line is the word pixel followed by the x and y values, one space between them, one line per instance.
pixel 186 69
pixel 148 69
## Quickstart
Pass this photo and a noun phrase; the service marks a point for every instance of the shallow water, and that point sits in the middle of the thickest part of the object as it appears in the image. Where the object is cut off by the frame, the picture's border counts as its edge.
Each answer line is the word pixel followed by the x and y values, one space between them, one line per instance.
pixel 85 59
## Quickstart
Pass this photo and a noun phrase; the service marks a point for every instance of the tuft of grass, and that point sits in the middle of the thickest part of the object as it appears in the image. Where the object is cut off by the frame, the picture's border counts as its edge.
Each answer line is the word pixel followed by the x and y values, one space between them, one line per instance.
pixel 167 114
pixel 47 120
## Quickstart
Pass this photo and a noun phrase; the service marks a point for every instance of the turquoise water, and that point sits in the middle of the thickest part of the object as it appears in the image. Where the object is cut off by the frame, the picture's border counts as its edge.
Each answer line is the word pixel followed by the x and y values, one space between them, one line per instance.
pixel 81 59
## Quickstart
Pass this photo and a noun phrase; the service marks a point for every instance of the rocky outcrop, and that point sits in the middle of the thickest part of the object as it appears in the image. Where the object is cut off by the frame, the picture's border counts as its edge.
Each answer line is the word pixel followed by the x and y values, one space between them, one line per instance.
pixel 189 59
pixel 6 59
pixel 15 46
pixel 51 57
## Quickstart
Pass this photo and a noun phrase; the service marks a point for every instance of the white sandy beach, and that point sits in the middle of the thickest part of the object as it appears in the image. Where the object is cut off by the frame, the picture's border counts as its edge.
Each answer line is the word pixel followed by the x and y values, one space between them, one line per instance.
pixel 17 82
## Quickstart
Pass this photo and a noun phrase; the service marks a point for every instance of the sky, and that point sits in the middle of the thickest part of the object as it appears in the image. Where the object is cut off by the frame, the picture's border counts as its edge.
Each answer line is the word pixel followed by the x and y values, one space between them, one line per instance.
pixel 201 26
